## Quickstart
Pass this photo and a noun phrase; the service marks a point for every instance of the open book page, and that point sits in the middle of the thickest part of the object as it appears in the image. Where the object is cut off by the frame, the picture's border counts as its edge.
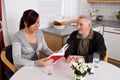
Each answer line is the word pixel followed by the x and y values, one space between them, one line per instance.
pixel 59 54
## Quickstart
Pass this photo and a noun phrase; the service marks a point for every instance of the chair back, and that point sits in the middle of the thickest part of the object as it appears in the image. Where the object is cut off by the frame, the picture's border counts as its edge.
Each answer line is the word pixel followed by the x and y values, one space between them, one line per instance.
pixel 6 57
pixel 106 56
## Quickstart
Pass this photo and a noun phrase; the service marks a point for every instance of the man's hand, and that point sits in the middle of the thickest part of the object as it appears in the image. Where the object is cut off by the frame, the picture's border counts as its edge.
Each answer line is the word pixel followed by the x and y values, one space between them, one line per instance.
pixel 74 58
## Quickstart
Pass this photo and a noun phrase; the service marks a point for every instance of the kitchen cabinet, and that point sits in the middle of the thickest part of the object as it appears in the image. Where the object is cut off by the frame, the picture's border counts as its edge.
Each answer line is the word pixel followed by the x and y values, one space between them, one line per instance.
pixel 103 1
pixel 54 42
pixel 99 29
pixel 56 38
pixel 112 37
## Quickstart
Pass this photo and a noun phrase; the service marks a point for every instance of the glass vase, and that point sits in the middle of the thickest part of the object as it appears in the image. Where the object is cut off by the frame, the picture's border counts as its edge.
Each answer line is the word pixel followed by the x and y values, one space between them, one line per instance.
pixel 79 77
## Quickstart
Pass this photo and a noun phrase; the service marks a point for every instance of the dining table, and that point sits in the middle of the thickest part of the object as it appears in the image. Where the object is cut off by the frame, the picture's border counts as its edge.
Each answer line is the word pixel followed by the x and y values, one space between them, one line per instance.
pixel 63 71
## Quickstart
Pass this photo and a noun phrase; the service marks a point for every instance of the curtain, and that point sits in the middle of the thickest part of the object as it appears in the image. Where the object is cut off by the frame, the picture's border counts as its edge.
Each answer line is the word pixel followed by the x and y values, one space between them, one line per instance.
pixel 1 34
pixel 2 66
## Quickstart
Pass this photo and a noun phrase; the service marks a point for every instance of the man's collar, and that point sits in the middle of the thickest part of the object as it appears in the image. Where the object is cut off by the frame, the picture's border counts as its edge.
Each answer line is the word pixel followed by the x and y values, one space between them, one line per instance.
pixel 90 36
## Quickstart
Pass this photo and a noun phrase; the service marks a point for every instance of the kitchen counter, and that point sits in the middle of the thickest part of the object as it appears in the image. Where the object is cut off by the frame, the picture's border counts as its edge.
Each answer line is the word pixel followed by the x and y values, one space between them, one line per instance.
pixel 69 28
pixel 110 23
pixel 60 32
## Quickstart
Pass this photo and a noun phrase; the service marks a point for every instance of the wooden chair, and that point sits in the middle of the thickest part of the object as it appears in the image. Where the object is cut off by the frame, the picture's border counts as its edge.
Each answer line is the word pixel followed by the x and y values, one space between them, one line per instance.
pixel 106 57
pixel 6 57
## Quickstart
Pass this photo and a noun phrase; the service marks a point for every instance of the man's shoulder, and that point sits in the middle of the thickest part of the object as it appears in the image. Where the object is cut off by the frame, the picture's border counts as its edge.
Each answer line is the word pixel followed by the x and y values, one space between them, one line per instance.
pixel 75 32
pixel 97 33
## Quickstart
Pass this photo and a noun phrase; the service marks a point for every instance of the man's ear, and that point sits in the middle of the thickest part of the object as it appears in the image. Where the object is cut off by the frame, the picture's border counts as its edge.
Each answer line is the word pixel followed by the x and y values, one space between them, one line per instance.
pixel 90 25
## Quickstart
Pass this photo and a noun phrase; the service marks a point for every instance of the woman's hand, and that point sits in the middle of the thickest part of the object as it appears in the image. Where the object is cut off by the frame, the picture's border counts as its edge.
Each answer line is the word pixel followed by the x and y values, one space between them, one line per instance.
pixel 43 62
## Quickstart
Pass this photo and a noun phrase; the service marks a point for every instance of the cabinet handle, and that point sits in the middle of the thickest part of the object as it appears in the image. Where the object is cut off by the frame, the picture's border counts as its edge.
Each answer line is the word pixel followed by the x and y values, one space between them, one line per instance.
pixel 113 32
pixel 117 29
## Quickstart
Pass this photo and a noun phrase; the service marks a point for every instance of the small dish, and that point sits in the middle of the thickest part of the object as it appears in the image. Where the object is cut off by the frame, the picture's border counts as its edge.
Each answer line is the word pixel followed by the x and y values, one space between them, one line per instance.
pixel 58 26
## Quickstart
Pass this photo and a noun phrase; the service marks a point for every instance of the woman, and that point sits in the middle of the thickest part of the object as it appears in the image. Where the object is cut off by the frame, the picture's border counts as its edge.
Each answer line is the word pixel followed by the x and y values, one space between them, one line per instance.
pixel 28 42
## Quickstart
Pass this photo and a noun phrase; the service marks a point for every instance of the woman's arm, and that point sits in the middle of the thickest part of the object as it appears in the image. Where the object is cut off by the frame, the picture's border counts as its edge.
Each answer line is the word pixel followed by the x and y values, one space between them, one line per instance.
pixel 41 40
pixel 45 48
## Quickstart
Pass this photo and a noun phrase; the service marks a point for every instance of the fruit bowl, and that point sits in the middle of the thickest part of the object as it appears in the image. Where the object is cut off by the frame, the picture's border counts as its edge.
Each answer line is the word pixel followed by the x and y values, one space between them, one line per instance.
pixel 58 26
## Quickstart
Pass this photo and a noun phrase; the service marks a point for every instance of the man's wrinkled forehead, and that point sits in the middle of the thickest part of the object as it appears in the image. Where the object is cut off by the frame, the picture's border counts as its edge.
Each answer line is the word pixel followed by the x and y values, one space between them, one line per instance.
pixel 83 20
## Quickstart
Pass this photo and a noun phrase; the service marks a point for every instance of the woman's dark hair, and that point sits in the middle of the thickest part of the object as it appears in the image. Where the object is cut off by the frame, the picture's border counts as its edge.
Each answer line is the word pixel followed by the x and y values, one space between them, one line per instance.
pixel 29 16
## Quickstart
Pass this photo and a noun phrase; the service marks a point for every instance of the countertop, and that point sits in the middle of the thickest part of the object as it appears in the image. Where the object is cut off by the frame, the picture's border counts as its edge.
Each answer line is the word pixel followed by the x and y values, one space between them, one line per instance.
pixel 60 32
pixel 108 23
pixel 70 28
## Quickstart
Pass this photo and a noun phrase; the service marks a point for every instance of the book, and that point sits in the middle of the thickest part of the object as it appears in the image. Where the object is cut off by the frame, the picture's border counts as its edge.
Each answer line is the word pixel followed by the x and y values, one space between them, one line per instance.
pixel 59 54
pixel 56 56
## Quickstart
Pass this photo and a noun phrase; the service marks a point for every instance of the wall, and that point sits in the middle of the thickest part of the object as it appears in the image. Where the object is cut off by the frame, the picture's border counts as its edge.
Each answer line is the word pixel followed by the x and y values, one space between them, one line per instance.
pixel 49 10
pixel 84 7
pixel 70 8
pixel 12 12
pixel 109 10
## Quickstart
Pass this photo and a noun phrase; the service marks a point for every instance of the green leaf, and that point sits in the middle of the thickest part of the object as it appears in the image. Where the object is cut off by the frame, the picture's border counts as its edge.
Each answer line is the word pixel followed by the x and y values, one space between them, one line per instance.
pixel 118 12
pixel 118 15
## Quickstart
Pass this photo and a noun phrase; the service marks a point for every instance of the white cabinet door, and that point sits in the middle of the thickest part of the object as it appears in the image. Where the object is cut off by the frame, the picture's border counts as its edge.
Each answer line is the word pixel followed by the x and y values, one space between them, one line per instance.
pixel 112 41
pixel 98 29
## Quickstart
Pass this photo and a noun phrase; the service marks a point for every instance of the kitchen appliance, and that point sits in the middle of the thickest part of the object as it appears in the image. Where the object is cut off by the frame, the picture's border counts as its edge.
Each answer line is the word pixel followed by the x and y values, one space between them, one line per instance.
pixel 94 14
pixel 99 18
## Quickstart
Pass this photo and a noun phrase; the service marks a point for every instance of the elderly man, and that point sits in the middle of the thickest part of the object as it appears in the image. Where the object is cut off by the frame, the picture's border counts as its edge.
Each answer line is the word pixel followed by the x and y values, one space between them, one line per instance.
pixel 84 42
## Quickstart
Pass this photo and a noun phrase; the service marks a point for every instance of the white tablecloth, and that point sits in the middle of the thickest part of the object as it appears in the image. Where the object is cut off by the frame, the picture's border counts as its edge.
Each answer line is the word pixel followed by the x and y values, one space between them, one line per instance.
pixel 62 71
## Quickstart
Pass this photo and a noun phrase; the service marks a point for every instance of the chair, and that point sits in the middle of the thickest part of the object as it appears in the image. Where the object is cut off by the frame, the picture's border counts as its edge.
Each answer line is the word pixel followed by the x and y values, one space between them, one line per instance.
pixel 6 57
pixel 106 57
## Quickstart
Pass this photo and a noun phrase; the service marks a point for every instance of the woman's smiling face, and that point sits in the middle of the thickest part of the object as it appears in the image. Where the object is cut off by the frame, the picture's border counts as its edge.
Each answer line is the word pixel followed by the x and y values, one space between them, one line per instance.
pixel 34 27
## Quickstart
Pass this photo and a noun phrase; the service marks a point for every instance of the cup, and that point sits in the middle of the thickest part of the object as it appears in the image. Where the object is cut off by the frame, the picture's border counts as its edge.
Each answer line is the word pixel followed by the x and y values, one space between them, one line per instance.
pixel 99 18
pixel 96 59
pixel 93 15
pixel 49 68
